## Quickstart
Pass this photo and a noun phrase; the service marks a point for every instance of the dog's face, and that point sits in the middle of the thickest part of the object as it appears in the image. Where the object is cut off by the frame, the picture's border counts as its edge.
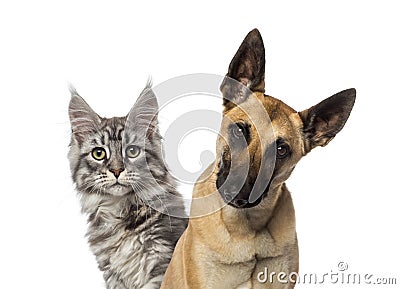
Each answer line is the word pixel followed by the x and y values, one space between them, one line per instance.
pixel 261 138
pixel 264 145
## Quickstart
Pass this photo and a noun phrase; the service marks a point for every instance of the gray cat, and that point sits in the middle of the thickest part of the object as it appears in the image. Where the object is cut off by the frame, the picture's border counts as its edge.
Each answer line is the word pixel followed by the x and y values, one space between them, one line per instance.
pixel 135 214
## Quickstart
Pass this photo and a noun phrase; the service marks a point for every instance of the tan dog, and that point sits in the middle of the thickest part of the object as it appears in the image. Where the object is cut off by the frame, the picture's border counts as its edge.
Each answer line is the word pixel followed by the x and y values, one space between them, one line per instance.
pixel 254 231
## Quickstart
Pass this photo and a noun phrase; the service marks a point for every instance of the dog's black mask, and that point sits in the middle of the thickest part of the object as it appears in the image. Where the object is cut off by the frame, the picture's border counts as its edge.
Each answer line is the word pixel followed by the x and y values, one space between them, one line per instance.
pixel 238 190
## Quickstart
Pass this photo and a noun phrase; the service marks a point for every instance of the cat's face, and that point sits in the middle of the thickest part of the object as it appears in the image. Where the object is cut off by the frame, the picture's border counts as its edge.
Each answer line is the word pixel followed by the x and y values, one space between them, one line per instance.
pixel 107 155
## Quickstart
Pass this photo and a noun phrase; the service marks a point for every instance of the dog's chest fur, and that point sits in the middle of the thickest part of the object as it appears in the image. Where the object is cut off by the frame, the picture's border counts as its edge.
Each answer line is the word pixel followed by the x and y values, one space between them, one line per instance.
pixel 247 242
pixel 239 268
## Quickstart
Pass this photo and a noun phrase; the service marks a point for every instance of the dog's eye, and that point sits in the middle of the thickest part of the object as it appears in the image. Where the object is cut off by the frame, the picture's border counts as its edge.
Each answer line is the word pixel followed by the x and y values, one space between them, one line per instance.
pixel 98 153
pixel 240 130
pixel 132 151
pixel 237 131
pixel 282 151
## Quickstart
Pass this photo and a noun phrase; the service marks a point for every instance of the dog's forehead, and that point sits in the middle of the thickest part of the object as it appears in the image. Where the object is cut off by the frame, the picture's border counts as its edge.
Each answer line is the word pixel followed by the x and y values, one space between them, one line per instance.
pixel 285 120
pixel 263 107
pixel 276 108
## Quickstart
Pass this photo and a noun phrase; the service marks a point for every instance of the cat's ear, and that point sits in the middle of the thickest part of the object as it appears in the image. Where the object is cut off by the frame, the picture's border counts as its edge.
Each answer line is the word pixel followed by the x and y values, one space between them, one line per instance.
pixel 247 68
pixel 323 121
pixel 142 119
pixel 83 119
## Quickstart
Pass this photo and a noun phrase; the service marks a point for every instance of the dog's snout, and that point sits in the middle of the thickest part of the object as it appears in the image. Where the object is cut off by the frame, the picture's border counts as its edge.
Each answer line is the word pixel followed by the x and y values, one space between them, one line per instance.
pixel 240 203
pixel 224 163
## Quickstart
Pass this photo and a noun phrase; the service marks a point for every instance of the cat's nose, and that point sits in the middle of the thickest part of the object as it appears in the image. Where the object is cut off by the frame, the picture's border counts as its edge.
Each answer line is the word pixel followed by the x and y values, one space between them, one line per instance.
pixel 116 172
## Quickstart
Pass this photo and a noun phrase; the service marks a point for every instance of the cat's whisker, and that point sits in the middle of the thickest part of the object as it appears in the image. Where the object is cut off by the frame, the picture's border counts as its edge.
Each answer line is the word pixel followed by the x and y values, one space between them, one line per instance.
pixel 161 202
pixel 92 182
pixel 160 181
pixel 144 199
pixel 87 186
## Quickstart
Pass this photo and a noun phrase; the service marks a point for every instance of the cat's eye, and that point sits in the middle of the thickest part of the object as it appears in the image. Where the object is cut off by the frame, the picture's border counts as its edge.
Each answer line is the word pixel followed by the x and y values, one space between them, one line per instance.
pixel 98 154
pixel 132 151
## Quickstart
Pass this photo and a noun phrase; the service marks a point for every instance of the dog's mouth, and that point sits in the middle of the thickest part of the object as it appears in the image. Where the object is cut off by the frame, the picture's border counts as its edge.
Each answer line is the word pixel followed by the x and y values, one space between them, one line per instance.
pixel 242 199
pixel 237 202
pixel 241 192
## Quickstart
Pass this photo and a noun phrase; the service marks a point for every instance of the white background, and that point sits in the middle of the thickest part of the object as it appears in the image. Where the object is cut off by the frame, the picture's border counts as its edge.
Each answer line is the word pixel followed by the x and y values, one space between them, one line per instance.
pixel 346 195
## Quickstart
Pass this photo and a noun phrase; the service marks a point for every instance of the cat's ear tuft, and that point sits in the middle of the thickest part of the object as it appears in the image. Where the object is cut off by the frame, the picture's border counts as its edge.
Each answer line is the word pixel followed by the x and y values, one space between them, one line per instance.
pixel 323 121
pixel 72 90
pixel 142 119
pixel 83 119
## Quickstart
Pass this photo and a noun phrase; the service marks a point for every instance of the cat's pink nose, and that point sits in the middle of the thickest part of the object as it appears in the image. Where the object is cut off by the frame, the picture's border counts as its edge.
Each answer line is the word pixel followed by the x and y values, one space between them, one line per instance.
pixel 116 172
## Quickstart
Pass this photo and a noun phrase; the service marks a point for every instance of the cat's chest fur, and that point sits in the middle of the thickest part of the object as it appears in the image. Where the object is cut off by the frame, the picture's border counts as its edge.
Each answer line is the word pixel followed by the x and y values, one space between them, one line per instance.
pixel 124 237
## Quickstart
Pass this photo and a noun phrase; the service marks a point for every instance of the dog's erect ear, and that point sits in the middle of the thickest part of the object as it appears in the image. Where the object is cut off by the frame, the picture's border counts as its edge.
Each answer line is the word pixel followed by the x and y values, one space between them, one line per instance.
pixel 82 117
pixel 247 68
pixel 323 121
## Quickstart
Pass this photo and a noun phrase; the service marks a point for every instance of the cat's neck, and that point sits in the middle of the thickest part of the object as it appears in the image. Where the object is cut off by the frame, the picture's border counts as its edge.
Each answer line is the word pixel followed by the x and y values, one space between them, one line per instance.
pixel 109 206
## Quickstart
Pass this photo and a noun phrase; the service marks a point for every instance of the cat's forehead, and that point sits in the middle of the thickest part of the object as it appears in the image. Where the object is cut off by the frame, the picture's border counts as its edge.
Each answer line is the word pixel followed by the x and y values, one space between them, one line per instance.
pixel 112 129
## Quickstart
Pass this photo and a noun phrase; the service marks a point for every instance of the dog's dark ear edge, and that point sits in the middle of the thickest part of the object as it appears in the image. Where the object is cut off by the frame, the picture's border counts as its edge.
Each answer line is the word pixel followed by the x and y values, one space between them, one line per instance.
pixel 323 121
pixel 247 68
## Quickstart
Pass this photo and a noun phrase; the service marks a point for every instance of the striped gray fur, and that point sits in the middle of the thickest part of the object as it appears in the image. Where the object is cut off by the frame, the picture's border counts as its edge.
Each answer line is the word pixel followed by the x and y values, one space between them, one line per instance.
pixel 129 230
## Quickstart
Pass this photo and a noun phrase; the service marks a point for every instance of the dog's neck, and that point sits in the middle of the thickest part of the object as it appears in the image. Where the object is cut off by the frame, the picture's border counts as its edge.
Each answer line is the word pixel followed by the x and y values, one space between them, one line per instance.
pixel 270 224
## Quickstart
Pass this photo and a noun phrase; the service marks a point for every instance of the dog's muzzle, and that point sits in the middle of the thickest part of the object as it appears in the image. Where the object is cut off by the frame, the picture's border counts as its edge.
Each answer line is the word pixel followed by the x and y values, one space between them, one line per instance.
pixel 237 188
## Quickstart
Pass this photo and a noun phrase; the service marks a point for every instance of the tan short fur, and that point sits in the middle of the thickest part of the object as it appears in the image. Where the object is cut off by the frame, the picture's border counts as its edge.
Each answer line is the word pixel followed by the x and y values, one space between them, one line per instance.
pixel 231 246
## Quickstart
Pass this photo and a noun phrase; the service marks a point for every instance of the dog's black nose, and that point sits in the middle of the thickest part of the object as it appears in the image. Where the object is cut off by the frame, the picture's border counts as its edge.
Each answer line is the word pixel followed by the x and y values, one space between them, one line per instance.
pixel 240 203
